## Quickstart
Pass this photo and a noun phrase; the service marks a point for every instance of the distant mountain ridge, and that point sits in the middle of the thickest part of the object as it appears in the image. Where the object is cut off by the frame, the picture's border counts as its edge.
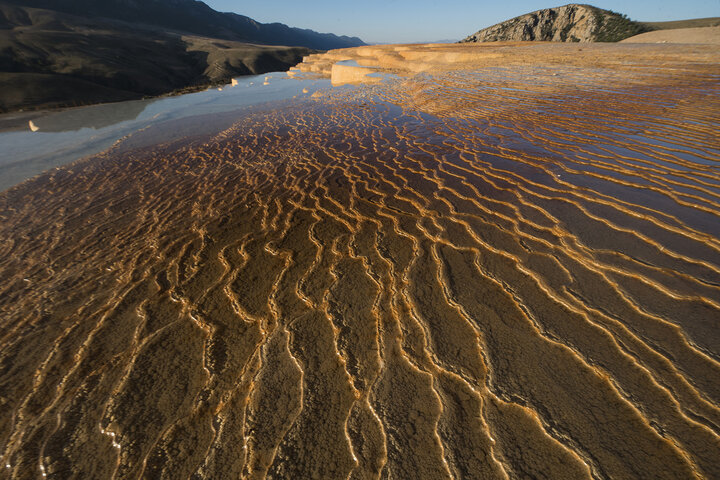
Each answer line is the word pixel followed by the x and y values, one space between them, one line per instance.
pixel 193 16
pixel 569 23
pixel 53 59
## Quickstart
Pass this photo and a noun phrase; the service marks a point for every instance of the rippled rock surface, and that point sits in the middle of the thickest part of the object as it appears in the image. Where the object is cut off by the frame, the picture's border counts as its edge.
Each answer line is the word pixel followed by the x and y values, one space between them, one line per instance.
pixel 503 271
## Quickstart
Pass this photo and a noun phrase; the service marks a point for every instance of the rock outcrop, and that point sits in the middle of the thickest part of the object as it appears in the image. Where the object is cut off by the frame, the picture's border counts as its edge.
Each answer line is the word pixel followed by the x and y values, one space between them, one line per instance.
pixel 569 23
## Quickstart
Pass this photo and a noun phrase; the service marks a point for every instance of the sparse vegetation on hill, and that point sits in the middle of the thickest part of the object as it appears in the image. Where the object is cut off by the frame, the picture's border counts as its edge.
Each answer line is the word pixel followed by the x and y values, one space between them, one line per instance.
pixel 613 26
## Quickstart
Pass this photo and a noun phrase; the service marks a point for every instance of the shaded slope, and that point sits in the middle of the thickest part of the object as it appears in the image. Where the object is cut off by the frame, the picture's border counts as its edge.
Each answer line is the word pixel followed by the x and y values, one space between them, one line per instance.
pixel 697 35
pixel 196 17
pixel 48 59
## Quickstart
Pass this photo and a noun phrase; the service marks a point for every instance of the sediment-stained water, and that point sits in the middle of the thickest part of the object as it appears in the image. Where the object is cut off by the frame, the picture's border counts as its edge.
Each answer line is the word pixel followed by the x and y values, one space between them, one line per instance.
pixel 490 273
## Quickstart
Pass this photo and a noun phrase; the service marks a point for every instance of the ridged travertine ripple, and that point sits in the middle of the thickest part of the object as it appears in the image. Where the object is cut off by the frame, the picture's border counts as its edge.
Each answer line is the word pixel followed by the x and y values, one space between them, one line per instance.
pixel 500 272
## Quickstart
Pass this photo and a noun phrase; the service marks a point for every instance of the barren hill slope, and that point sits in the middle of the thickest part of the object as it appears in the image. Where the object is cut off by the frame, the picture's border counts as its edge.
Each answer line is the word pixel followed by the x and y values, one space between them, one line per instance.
pixel 194 17
pixel 697 35
pixel 51 59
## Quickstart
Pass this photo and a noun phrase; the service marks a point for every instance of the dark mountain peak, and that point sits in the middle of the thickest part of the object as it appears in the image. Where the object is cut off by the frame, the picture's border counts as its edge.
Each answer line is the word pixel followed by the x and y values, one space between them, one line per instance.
pixel 193 16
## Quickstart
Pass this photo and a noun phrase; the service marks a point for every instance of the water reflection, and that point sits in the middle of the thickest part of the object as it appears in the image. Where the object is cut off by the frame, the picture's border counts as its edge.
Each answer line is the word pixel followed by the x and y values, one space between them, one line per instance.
pixel 33 142
pixel 93 116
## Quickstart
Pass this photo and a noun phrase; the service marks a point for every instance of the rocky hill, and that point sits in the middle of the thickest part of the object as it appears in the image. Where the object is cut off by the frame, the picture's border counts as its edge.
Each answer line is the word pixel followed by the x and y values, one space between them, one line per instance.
pixel 193 16
pixel 569 23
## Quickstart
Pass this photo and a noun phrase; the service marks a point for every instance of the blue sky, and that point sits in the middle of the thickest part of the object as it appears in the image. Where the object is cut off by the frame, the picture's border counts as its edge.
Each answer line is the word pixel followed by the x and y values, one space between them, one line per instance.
pixel 392 21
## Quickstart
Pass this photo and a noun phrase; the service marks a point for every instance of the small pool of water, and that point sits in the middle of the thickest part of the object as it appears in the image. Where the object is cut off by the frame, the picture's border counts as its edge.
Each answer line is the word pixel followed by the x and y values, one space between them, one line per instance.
pixel 61 137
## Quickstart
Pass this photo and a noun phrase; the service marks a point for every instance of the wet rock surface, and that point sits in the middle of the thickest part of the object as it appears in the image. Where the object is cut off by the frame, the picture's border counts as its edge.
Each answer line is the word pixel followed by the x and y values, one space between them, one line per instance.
pixel 501 272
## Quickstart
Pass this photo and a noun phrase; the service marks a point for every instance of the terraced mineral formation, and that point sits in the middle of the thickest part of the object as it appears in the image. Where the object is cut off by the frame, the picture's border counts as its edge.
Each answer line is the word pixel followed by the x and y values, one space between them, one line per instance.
pixel 509 270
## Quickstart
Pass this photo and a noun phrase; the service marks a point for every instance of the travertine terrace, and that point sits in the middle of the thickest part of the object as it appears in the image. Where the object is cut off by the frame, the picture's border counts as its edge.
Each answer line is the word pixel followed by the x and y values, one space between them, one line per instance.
pixel 502 263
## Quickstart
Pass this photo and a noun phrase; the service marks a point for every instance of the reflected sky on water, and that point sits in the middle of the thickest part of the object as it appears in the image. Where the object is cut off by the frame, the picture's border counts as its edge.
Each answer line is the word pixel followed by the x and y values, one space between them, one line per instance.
pixel 61 137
